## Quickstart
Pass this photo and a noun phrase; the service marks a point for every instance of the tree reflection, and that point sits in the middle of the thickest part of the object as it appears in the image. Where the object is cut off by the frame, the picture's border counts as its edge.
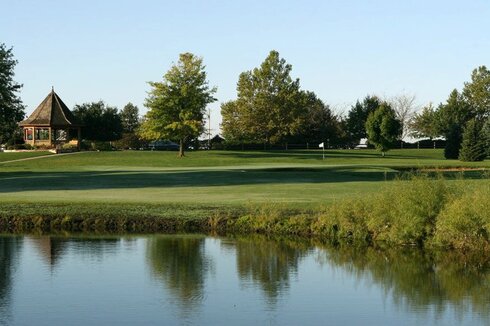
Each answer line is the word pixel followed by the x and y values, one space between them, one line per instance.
pixel 269 263
pixel 9 251
pixel 181 264
pixel 52 248
pixel 417 279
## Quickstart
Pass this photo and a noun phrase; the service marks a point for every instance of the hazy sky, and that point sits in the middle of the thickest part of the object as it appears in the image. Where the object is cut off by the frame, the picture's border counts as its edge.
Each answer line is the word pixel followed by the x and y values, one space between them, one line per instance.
pixel 342 50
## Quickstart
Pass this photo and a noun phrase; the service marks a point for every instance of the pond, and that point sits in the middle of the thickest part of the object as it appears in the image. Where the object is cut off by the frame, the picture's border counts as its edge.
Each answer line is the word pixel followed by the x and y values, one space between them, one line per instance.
pixel 203 280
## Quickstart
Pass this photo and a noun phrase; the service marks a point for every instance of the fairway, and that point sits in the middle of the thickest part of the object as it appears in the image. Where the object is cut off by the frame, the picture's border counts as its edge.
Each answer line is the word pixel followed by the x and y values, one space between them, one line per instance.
pixel 216 178
pixel 12 156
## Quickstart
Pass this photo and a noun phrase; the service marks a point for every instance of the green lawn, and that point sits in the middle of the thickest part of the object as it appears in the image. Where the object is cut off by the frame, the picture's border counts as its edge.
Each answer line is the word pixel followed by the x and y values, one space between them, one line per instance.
pixel 4 157
pixel 216 178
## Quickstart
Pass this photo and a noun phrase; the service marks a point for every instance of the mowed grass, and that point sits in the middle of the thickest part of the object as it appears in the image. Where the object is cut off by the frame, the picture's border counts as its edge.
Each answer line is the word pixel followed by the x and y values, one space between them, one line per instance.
pixel 10 156
pixel 299 179
pixel 206 159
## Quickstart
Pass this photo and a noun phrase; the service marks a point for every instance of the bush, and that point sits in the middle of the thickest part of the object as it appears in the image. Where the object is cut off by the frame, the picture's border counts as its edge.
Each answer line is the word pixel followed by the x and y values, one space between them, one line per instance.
pixel 465 222
pixel 129 141
pixel 20 147
pixel 407 210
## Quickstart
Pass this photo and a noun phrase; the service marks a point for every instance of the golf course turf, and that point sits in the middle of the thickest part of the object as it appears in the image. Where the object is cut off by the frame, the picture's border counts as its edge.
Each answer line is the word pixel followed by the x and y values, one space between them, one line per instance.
pixel 142 184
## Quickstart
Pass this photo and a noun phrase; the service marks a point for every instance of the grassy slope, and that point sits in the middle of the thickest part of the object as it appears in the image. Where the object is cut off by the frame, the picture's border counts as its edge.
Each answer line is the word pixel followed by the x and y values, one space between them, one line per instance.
pixel 4 157
pixel 159 182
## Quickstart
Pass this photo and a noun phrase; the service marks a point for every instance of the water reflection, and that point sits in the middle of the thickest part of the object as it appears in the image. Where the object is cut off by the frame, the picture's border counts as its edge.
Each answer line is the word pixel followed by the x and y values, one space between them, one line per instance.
pixel 53 248
pixel 419 280
pixel 268 263
pixel 10 248
pixel 181 264
pixel 410 282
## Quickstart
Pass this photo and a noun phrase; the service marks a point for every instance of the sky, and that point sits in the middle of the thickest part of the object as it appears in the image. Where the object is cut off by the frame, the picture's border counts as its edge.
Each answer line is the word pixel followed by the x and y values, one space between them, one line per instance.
pixel 342 50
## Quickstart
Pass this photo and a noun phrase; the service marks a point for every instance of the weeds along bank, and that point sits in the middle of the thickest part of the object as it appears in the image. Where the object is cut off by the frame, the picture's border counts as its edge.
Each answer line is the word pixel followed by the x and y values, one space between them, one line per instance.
pixel 416 210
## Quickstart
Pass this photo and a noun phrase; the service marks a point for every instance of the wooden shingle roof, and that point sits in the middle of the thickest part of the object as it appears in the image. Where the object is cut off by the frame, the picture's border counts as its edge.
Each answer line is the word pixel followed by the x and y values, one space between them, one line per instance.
pixel 51 112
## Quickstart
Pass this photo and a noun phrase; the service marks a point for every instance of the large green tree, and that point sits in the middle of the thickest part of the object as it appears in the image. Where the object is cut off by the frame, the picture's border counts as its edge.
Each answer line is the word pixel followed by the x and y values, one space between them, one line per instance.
pixel 317 121
pixel 11 107
pixel 177 105
pixel 267 108
pixel 357 117
pixel 383 128
pixel 100 121
pixel 477 93
pixel 424 124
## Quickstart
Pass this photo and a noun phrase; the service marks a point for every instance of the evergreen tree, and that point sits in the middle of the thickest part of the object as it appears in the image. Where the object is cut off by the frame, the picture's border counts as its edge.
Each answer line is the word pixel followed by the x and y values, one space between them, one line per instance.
pixel 486 135
pixel 358 115
pixel 473 145
pixel 130 118
pixel 453 142
pixel 11 107
pixel 450 118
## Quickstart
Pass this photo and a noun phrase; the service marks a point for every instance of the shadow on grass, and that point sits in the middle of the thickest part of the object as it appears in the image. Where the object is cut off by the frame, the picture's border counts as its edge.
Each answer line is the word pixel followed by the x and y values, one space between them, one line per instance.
pixel 87 180
pixel 312 154
pixel 91 180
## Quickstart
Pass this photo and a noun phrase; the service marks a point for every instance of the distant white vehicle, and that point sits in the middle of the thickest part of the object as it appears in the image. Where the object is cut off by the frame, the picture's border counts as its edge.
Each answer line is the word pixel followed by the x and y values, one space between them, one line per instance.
pixel 362 144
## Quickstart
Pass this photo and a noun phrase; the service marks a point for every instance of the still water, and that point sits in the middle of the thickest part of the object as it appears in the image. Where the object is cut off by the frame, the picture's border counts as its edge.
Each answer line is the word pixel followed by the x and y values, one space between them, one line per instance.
pixel 192 279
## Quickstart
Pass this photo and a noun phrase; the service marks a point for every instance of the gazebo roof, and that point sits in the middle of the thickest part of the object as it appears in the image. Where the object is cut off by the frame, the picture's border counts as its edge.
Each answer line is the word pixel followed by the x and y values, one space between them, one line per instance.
pixel 51 112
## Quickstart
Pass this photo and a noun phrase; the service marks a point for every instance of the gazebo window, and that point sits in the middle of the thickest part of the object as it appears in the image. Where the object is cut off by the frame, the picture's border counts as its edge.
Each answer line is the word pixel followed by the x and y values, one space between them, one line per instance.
pixel 28 134
pixel 42 134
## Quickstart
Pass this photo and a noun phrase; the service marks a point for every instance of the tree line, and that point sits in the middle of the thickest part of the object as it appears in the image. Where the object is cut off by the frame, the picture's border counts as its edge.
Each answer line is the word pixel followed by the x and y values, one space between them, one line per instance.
pixel 463 120
pixel 272 108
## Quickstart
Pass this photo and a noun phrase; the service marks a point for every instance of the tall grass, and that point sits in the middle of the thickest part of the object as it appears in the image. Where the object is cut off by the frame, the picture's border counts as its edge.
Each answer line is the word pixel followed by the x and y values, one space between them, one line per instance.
pixel 418 210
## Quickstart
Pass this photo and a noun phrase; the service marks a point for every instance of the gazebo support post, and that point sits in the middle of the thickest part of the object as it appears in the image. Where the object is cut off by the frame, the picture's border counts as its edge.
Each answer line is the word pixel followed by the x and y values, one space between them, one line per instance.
pixel 79 137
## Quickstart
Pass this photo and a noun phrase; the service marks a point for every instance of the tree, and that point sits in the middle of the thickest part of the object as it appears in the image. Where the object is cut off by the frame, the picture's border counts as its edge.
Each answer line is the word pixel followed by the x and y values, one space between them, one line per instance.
pixel 130 118
pixel 11 107
pixel 383 128
pixel 318 124
pixel 357 117
pixel 423 124
pixel 100 121
pixel 450 119
pixel 486 135
pixel 233 127
pixel 473 145
pixel 177 104
pixel 453 142
pixel 404 107
pixel 477 92
pixel 267 108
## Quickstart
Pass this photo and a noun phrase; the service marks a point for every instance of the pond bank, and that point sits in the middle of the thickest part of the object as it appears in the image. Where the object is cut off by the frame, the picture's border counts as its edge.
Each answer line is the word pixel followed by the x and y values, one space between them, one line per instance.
pixel 419 211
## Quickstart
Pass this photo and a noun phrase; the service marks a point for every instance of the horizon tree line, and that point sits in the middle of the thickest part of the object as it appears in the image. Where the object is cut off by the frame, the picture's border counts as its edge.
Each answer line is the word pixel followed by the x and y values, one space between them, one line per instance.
pixel 271 108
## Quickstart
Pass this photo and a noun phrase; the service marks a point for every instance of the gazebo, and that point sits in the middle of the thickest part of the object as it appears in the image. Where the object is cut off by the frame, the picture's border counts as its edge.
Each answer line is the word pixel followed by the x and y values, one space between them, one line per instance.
pixel 52 124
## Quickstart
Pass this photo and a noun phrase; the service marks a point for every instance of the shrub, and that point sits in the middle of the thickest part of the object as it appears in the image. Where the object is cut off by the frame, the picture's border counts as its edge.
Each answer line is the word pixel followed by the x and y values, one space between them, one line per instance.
pixel 20 146
pixel 407 210
pixel 343 220
pixel 465 222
